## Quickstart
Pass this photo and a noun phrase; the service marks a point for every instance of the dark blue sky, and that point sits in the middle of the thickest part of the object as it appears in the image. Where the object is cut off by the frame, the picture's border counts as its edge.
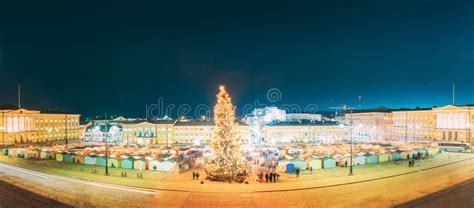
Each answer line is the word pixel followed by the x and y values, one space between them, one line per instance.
pixel 117 56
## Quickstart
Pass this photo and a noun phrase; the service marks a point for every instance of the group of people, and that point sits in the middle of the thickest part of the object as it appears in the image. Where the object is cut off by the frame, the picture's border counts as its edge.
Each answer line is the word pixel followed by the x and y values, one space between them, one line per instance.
pixel 195 175
pixel 411 161
pixel 271 177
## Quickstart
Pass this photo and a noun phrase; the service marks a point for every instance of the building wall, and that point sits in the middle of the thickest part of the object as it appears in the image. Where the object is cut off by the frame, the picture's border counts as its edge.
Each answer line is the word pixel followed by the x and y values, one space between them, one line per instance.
pixel 202 134
pixel 147 133
pixel 371 126
pixel 26 126
pixel 448 123
pixel 416 125
pixel 305 133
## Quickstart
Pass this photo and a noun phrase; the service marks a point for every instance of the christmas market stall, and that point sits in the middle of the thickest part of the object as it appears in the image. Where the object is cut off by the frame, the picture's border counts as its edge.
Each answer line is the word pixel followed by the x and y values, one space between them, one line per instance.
pixel 59 157
pixel 358 160
pixel 396 155
pixel 32 154
pixel 343 160
pixel 300 164
pixel 21 152
pixel 90 160
pixel 127 162
pixel 101 161
pixel 67 157
pixel 314 163
pixel 404 155
pixel 51 156
pixel 44 154
pixel 114 161
pixel 12 152
pixel 153 165
pixel 371 158
pixel 166 165
pixel 140 163
pixel 328 162
pixel 78 158
pixel 384 157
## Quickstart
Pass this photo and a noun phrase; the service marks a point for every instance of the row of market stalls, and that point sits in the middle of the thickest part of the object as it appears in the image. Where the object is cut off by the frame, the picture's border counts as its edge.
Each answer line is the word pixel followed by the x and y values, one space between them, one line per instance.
pixel 332 156
pixel 164 161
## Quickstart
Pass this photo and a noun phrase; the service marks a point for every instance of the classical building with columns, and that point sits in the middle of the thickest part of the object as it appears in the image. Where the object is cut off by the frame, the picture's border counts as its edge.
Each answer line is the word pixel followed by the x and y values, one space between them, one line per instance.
pixel 125 131
pixel 447 123
pixel 19 125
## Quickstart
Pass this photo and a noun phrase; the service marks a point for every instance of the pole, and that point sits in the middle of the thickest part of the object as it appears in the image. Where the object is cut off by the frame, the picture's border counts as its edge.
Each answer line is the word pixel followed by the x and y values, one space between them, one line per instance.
pixel 406 126
pixel 4 128
pixel 66 130
pixel 454 93
pixel 19 96
pixel 352 126
pixel 106 146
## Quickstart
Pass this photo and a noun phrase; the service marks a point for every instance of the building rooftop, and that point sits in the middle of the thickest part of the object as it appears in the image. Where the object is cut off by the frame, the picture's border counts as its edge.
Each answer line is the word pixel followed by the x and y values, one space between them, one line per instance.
pixel 8 107
pixel 47 111
pixel 202 123
pixel 148 121
pixel 305 123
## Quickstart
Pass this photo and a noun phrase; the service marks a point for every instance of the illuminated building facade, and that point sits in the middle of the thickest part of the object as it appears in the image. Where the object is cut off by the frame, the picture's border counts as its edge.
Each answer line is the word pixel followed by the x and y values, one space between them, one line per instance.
pixel 309 132
pixel 371 125
pixel 448 123
pixel 129 131
pixel 299 117
pixel 18 125
pixel 200 132
pixel 154 132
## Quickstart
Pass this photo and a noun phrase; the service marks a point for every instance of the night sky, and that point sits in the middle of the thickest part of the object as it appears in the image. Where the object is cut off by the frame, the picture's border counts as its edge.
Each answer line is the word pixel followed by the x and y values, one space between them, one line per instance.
pixel 117 57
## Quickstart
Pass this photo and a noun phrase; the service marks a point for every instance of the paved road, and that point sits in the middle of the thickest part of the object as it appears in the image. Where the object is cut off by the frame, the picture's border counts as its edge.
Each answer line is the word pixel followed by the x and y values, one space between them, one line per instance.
pixel 14 196
pixel 461 195
pixel 418 189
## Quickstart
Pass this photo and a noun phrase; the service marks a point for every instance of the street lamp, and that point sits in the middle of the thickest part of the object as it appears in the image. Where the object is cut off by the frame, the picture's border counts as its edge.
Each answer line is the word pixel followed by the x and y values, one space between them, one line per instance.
pixel 106 131
pixel 351 124
pixel 351 139
pixel 352 143
pixel 3 128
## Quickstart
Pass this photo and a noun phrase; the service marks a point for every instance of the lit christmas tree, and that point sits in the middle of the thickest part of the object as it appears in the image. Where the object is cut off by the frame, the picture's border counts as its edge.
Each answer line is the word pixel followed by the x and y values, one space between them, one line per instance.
pixel 228 163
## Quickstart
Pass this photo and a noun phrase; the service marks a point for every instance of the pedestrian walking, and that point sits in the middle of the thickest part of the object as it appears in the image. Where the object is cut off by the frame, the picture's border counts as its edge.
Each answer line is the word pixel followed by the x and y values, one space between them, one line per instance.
pixel 311 170
pixel 266 177
pixel 197 175
pixel 270 177
pixel 274 177
pixel 194 175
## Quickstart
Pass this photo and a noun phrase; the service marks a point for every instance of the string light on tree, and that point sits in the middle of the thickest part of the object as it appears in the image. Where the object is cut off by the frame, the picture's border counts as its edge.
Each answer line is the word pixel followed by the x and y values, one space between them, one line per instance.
pixel 228 163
